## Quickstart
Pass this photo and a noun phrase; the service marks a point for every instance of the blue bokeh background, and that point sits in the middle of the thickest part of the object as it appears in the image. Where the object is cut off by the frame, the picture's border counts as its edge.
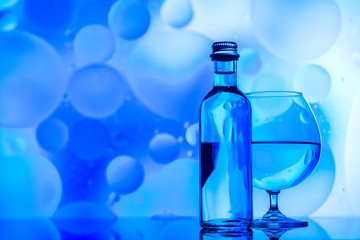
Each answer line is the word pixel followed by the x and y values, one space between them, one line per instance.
pixel 99 100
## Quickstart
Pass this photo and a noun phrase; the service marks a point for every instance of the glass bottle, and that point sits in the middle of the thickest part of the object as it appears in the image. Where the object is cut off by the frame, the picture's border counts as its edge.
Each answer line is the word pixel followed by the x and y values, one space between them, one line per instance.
pixel 225 133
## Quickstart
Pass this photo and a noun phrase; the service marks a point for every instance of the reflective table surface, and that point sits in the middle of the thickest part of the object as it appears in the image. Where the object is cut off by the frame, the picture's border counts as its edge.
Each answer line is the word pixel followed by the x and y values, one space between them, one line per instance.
pixel 164 228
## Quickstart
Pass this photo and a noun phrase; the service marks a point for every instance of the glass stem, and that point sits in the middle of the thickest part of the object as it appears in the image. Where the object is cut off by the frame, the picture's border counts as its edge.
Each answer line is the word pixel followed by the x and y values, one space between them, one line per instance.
pixel 274 213
pixel 273 200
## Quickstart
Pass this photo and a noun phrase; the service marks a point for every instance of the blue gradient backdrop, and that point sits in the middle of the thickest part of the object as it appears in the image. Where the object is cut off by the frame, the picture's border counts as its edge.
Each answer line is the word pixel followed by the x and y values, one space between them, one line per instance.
pixel 99 100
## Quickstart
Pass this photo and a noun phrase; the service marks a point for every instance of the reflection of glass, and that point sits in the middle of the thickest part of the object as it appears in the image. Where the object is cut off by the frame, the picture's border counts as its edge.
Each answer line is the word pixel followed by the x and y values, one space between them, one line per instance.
pixel 207 234
pixel 286 148
pixel 313 231
pixel 275 233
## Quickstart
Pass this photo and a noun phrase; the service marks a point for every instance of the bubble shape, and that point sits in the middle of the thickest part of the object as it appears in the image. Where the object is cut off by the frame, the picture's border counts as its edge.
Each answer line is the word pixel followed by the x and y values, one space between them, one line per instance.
pixel 178 187
pixel 97 90
pixel 192 134
pixel 352 152
pixel 314 82
pixel 175 73
pixel 296 30
pixel 219 19
pixel 89 139
pixel 48 16
pixel 129 19
pixel 250 62
pixel 350 5
pixel 164 148
pixel 6 4
pixel 94 43
pixel 31 229
pixel 30 186
pixel 83 218
pixel 29 89
pixel 306 197
pixel 52 134
pixel 124 174
pixel 177 13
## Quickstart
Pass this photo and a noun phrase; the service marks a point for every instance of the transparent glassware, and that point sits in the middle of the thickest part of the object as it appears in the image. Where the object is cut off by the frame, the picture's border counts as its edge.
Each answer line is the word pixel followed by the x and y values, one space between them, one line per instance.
pixel 225 133
pixel 275 233
pixel 205 234
pixel 286 147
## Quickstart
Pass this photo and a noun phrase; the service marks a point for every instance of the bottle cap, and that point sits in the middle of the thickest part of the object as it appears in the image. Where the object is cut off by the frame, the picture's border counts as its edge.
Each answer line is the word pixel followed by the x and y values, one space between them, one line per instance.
pixel 224 51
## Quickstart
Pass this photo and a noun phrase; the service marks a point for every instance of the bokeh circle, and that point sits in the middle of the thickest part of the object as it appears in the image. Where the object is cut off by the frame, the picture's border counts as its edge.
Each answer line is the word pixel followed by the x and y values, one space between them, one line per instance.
pixel 296 30
pixel 175 73
pixel 124 174
pixel 97 90
pixel 219 20
pixel 192 134
pixel 29 89
pixel 314 82
pixel 52 134
pixel 164 148
pixel 129 19
pixel 177 13
pixel 94 43
pixel 30 186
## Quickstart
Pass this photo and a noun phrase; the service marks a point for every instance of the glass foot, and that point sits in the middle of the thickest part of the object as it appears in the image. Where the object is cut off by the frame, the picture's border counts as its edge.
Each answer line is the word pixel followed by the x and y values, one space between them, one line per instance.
pixel 274 219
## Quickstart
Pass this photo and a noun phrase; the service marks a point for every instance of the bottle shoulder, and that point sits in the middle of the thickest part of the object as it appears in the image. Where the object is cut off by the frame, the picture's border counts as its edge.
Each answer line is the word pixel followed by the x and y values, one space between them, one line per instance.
pixel 232 91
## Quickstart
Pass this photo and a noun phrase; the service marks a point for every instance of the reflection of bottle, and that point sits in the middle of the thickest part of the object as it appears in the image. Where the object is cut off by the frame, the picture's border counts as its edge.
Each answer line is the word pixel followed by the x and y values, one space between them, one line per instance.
pixel 225 130
pixel 226 235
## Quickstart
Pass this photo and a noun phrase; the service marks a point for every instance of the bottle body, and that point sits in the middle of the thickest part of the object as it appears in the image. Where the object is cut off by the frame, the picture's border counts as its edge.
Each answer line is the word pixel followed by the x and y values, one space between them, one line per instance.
pixel 225 132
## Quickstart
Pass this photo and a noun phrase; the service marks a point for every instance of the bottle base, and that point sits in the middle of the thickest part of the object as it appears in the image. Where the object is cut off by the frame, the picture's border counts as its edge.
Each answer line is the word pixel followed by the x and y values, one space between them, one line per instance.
pixel 226 225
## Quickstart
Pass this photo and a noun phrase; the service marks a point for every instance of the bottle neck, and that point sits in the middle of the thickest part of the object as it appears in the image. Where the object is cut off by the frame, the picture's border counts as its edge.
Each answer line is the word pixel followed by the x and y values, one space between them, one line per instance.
pixel 225 73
